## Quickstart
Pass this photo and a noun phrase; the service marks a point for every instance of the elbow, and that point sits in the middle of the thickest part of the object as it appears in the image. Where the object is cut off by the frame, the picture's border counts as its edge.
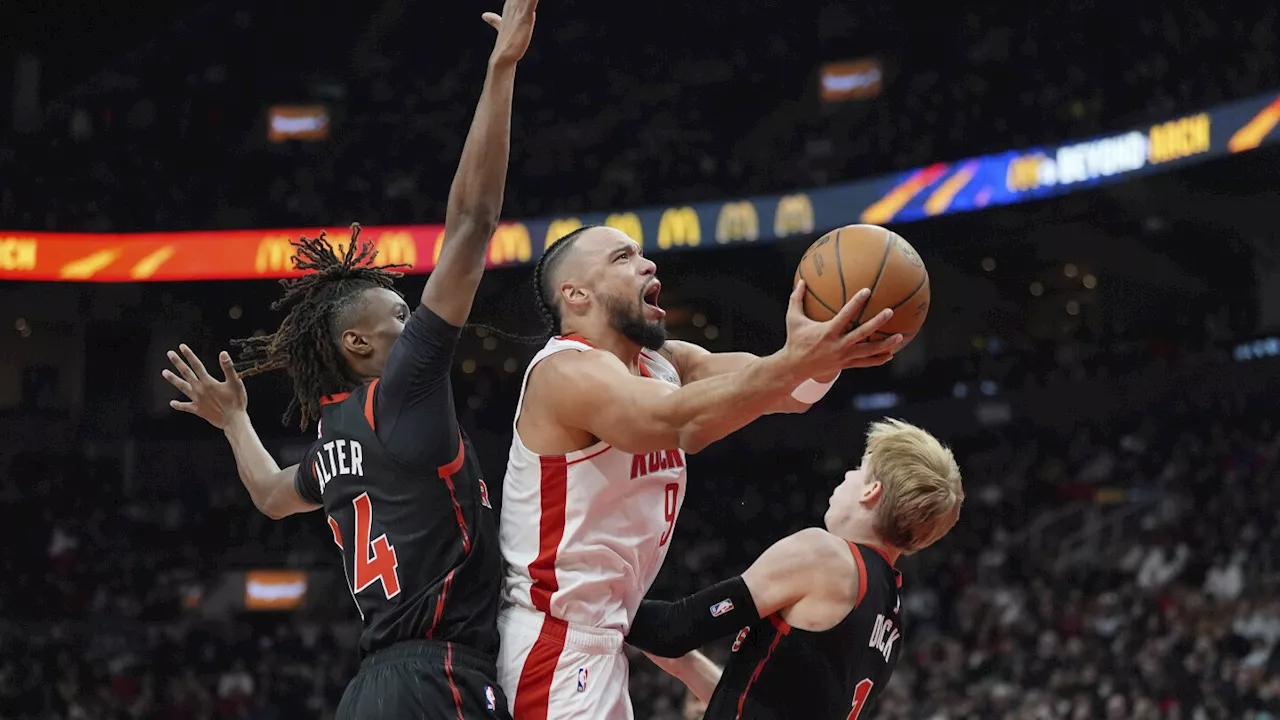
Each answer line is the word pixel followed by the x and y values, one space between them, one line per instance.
pixel 271 512
pixel 693 446
pixel 693 440
pixel 476 219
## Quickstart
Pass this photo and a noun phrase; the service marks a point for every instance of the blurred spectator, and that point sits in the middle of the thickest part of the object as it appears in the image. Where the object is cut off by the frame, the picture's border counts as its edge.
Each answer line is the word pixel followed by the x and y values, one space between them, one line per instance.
pixel 1225 580
pixel 1161 566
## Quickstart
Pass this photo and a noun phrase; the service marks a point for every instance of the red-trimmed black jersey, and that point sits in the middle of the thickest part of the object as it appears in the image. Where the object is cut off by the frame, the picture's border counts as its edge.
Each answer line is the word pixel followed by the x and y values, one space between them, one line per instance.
pixel 780 672
pixel 419 544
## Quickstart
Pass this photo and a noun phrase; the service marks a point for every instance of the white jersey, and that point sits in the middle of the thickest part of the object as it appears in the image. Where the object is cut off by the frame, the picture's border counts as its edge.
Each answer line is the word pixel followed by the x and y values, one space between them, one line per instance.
pixel 584 534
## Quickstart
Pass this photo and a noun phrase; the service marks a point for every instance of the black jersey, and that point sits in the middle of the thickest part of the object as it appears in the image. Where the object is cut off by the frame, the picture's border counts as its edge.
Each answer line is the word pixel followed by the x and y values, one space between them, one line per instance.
pixel 418 538
pixel 777 671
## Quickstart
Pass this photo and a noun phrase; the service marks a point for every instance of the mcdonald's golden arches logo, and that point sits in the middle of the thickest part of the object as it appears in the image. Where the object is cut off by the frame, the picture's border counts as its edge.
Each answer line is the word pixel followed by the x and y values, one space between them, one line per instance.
pixel 18 253
pixel 511 243
pixel 679 227
pixel 397 248
pixel 794 216
pixel 627 222
pixel 559 228
pixel 737 221
pixel 274 255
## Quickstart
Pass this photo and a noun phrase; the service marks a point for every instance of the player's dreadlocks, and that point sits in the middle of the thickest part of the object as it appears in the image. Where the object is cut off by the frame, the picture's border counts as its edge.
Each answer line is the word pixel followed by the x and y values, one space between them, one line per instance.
pixel 320 304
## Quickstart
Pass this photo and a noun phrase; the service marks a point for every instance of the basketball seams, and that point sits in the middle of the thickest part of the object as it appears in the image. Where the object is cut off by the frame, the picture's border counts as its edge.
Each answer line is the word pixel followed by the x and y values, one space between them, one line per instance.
pixel 844 291
pixel 924 280
pixel 921 287
pixel 884 260
pixel 808 290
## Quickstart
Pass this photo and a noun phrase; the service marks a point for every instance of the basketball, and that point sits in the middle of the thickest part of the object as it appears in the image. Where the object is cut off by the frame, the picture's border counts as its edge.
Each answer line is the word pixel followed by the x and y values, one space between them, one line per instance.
pixel 844 261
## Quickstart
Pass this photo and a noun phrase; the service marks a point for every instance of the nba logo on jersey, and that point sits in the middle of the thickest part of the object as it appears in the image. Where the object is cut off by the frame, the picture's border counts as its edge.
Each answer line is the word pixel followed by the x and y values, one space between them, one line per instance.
pixel 484 495
pixel 582 679
pixel 490 701
pixel 721 607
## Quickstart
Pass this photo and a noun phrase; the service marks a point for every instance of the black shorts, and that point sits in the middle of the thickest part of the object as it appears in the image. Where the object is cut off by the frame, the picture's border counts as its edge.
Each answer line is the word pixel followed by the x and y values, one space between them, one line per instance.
pixel 423 679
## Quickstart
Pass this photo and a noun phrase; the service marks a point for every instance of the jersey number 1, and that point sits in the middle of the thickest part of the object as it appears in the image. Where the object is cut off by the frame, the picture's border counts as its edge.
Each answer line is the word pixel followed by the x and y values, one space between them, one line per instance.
pixel 373 561
pixel 860 695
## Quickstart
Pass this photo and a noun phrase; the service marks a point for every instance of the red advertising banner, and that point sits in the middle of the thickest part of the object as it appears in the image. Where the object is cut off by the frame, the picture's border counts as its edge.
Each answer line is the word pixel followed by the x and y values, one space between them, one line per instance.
pixel 216 255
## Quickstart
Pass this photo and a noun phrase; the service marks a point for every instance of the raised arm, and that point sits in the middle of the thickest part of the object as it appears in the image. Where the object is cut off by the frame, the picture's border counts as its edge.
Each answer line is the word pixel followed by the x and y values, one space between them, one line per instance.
pixel 594 392
pixel 809 562
pixel 414 401
pixel 475 197
pixel 225 405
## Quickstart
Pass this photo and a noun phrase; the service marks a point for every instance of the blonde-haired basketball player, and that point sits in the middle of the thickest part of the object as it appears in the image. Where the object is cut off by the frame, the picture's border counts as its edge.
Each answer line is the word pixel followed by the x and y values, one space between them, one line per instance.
pixel 818 615
pixel 596 474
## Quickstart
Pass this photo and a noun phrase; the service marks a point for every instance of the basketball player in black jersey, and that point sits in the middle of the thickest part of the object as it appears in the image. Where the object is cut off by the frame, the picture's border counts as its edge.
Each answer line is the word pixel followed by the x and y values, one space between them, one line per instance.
pixel 397 479
pixel 818 615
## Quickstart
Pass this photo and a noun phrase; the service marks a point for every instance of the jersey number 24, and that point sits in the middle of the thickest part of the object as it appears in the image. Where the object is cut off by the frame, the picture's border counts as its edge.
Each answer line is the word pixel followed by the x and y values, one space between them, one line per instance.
pixel 372 561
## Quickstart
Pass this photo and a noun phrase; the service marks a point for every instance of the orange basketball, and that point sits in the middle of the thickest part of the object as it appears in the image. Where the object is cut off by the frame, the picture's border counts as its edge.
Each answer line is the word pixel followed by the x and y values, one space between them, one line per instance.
pixel 844 261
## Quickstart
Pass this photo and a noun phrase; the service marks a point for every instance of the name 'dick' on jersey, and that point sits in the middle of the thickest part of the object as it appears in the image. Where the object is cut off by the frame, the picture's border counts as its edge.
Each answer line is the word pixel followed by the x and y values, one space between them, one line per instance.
pixel 777 671
pixel 418 545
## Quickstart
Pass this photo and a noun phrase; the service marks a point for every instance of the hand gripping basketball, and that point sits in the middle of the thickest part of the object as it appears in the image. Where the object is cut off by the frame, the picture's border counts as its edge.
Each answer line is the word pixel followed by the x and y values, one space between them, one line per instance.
pixel 822 348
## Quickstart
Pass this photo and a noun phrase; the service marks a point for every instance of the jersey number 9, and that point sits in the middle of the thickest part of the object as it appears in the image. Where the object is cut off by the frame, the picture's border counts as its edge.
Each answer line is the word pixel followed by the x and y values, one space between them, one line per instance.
pixel 670 498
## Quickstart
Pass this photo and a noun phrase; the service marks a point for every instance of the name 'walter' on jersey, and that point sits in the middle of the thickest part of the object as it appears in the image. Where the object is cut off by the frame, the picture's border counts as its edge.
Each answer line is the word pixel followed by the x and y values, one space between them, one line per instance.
pixel 584 534
pixel 417 544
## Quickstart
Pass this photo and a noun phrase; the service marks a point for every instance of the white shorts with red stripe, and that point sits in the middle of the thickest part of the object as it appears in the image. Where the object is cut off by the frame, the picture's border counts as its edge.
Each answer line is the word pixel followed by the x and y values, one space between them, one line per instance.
pixel 555 670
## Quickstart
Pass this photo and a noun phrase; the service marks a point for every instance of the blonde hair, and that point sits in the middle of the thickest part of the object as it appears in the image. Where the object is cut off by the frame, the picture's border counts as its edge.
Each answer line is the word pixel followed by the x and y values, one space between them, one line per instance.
pixel 921 492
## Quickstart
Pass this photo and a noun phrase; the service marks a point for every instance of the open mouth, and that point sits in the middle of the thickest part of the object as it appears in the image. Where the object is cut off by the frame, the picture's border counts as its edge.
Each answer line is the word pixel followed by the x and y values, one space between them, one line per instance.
pixel 651 293
pixel 650 298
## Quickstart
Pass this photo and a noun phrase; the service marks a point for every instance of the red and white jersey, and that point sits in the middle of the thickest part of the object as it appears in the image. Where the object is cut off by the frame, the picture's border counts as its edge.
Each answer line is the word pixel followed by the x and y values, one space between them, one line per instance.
pixel 584 534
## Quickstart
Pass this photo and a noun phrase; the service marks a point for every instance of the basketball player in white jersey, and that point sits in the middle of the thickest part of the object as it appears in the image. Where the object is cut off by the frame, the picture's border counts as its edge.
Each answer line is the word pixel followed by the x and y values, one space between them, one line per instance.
pixel 596 475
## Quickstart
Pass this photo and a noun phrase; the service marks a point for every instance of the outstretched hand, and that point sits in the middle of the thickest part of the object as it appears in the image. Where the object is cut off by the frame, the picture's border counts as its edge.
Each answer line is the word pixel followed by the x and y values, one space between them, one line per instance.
pixel 515 29
pixel 217 401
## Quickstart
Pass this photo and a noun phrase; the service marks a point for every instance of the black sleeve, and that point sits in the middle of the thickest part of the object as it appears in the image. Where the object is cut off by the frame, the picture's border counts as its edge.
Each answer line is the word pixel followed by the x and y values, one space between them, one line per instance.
pixel 413 408
pixel 671 629
pixel 306 482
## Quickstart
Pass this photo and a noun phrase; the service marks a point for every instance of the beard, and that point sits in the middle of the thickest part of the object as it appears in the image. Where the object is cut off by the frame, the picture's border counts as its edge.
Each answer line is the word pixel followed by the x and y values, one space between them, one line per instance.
pixel 629 321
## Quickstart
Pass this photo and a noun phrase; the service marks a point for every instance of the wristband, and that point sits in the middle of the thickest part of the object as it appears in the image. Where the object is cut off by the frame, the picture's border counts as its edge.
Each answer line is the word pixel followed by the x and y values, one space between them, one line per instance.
pixel 811 391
